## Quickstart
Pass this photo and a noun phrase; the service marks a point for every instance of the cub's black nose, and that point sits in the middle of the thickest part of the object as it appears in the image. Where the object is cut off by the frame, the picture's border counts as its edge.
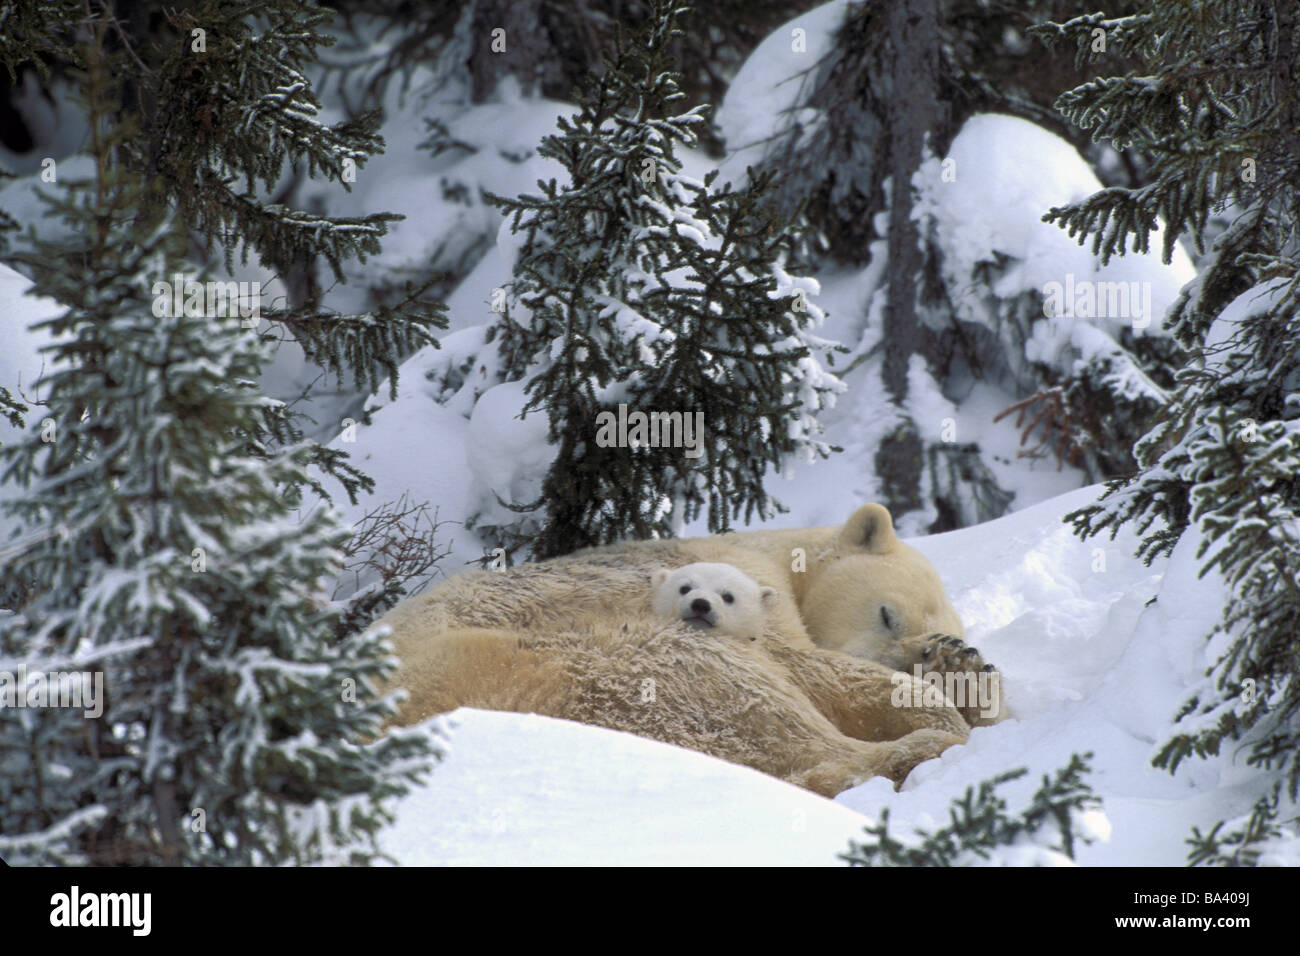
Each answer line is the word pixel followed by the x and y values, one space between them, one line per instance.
pixel 701 606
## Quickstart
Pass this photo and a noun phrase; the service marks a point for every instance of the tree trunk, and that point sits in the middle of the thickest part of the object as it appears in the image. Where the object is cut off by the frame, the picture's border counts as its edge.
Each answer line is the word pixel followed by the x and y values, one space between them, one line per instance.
pixel 914 112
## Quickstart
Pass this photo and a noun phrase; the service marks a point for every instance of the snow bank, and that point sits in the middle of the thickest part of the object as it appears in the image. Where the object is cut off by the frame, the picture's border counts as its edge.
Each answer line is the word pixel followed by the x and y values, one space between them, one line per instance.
pixel 21 362
pixel 509 456
pixel 526 790
pixel 449 225
pixel 417 448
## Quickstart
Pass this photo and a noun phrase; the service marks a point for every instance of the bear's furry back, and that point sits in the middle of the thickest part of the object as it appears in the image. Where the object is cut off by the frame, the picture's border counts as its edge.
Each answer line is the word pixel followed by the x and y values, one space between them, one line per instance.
pixel 554 592
pixel 612 583
pixel 725 696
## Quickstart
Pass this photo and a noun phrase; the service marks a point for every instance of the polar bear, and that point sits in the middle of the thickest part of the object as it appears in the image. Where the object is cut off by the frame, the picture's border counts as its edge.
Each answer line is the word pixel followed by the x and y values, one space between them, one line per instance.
pixel 709 596
pixel 811 701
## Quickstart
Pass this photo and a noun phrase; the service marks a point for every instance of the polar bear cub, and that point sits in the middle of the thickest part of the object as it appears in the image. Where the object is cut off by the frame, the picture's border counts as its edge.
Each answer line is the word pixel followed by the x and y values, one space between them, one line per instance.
pixel 712 597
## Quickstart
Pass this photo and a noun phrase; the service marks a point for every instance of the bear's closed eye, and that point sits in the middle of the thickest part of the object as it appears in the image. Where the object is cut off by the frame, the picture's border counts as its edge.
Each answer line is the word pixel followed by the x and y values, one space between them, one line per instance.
pixel 885 618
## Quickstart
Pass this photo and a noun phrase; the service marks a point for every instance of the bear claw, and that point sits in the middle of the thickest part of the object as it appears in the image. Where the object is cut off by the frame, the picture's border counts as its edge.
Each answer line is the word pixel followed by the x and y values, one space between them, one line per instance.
pixel 944 654
pixel 949 653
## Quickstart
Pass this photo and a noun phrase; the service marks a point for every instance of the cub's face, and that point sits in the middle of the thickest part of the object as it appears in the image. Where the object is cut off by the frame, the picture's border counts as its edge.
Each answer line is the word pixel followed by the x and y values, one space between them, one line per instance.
pixel 717 598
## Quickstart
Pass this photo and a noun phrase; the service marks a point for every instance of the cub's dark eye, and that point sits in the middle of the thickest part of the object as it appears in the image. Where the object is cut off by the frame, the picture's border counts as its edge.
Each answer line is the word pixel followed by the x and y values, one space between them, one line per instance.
pixel 885 619
pixel 728 598
pixel 685 589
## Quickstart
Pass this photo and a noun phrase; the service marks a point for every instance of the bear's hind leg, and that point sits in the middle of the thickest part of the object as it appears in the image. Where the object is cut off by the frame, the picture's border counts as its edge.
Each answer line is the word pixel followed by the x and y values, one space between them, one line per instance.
pixel 894 759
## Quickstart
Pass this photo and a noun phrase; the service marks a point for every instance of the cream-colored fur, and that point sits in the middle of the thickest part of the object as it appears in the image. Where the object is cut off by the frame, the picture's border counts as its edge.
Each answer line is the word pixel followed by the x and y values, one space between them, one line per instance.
pixel 577 638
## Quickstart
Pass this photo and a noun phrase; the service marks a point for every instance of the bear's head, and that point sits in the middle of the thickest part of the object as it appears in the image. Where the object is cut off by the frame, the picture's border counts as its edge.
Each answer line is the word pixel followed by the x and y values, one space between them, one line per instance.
pixel 712 597
pixel 869 591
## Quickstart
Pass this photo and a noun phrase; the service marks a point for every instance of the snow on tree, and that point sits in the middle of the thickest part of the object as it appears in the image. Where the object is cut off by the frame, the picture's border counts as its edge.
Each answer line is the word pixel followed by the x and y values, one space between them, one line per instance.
pixel 641 290
pixel 219 114
pixel 163 553
pixel 1253 839
pixel 1080 345
pixel 1216 107
pixel 737 342
pixel 952 259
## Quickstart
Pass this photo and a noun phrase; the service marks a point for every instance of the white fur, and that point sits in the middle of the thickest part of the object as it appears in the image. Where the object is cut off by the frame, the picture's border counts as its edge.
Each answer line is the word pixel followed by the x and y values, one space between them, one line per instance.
pixel 717 598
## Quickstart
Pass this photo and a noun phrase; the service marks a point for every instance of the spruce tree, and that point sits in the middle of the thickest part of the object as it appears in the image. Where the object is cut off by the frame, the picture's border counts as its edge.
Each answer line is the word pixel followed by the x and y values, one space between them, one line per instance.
pixel 1217 105
pixel 1062 813
pixel 639 286
pixel 739 348
pixel 220 115
pixel 11 409
pixel 166 553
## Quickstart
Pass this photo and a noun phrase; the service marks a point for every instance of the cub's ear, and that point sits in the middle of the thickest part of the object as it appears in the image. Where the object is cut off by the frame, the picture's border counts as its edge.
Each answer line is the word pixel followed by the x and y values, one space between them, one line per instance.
pixel 659 577
pixel 868 529
pixel 767 595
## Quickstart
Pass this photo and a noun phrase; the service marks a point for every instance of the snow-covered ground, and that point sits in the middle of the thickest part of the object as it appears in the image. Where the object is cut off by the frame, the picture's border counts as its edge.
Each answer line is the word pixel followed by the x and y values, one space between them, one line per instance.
pixel 519 789
pixel 1089 665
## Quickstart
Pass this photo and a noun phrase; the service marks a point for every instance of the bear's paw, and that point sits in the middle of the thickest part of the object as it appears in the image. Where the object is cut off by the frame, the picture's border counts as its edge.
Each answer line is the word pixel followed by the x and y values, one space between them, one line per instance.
pixel 970 683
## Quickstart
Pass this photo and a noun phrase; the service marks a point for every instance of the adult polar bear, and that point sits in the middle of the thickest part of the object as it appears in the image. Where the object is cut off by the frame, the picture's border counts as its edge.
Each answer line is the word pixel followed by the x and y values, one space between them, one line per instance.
pixel 810 702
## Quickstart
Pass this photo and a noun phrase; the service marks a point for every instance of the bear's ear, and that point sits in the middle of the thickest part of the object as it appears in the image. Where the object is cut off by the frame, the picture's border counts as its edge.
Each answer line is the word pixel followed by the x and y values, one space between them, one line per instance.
pixel 659 577
pixel 869 529
pixel 767 595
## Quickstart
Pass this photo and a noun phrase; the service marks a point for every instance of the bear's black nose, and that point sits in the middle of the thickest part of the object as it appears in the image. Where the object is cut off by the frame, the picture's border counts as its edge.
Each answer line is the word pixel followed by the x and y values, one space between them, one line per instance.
pixel 701 606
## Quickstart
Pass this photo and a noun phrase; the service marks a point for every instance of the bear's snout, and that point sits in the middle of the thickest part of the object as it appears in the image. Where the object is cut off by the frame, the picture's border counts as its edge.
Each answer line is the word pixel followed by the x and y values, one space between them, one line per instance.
pixel 701 606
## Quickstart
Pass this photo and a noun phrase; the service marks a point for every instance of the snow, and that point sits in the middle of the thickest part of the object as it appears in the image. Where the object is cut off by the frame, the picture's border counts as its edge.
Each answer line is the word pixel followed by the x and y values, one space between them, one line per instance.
pixel 1087 666
pixel 419 449
pixel 21 364
pixel 1089 662
pixel 1255 301
pixel 1006 167
pixel 448 224
pixel 774 79
pixel 21 198
pixel 521 789
pixel 509 456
